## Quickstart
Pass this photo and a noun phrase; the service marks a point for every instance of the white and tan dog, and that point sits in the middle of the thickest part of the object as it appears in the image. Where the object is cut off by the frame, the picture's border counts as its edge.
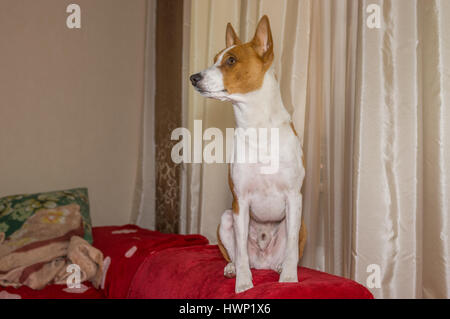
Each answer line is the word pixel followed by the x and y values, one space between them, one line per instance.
pixel 264 229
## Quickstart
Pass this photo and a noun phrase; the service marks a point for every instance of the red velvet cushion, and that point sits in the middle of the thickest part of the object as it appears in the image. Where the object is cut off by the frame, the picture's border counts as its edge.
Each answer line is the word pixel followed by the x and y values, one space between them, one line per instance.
pixel 115 242
pixel 197 272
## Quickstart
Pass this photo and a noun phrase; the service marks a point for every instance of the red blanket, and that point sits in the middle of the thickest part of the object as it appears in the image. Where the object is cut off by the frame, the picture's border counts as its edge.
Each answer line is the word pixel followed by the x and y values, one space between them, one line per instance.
pixel 149 264
pixel 128 247
pixel 197 272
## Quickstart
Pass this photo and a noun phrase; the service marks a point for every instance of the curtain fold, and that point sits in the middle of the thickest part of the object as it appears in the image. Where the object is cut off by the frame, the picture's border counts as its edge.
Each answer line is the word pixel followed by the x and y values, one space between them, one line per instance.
pixel 387 180
pixel 436 151
pixel 330 116
pixel 143 207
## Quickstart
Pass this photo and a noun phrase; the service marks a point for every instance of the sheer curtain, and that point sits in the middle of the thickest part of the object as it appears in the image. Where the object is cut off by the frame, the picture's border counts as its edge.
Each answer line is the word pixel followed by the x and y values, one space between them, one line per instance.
pixel 379 125
pixel 143 208
pixel 372 104
pixel 328 145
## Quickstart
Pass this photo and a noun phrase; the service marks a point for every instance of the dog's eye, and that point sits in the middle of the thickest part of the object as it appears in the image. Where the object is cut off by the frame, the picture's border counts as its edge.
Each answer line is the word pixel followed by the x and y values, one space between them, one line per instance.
pixel 231 60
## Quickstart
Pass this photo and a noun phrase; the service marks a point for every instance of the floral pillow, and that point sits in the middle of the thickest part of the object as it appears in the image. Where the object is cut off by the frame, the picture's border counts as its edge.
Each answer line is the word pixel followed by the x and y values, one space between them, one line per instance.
pixel 16 209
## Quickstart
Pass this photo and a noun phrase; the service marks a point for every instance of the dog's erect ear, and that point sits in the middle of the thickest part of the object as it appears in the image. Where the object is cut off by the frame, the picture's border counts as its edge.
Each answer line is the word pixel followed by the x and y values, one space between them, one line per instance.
pixel 231 37
pixel 262 41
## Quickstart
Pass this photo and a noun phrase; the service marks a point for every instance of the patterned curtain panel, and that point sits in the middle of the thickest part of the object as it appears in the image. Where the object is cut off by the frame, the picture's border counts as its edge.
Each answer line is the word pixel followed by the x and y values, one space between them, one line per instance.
pixel 157 196
pixel 168 112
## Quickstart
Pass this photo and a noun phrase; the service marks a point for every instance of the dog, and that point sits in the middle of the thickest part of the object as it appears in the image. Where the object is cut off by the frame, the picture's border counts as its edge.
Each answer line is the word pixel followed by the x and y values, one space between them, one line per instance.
pixel 264 229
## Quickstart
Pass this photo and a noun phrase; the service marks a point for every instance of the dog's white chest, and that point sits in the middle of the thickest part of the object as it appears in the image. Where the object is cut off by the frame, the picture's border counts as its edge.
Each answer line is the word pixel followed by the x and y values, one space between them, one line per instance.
pixel 267 193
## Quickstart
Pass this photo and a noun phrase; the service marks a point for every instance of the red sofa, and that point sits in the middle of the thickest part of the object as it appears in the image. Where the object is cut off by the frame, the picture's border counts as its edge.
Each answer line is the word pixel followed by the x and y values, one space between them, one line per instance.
pixel 147 264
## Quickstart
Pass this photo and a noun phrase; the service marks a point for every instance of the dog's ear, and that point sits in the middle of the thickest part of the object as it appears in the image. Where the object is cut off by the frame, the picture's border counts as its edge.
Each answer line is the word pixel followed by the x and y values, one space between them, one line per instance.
pixel 231 37
pixel 262 41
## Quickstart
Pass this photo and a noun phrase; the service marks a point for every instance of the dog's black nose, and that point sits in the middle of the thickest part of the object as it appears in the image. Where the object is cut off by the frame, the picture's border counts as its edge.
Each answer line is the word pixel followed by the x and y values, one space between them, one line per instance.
pixel 195 78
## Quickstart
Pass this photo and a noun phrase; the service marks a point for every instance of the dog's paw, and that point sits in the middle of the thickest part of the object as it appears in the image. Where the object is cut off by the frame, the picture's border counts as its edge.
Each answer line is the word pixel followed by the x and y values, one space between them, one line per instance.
pixel 229 271
pixel 243 286
pixel 288 276
pixel 243 280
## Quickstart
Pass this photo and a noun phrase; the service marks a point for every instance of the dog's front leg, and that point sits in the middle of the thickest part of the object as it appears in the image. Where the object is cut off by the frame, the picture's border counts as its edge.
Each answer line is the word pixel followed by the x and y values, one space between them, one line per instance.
pixel 240 223
pixel 293 223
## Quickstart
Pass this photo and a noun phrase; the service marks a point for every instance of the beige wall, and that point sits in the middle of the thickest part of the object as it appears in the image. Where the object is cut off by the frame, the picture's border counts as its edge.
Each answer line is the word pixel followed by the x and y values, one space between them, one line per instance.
pixel 70 100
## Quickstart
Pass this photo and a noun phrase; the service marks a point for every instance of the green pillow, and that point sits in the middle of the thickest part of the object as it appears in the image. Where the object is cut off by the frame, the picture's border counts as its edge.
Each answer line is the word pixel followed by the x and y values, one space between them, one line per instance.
pixel 16 209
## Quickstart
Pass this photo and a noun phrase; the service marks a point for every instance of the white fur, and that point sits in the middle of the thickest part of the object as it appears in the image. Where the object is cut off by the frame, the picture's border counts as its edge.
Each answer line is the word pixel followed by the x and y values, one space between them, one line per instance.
pixel 265 232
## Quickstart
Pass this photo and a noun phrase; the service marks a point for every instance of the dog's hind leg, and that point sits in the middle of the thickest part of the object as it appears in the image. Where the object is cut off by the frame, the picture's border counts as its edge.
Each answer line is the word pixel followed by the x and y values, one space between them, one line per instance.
pixel 225 237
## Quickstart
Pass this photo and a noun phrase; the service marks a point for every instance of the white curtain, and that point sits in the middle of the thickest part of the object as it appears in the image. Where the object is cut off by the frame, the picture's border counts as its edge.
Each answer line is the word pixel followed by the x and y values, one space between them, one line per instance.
pixel 372 104
pixel 379 125
pixel 143 209
pixel 402 150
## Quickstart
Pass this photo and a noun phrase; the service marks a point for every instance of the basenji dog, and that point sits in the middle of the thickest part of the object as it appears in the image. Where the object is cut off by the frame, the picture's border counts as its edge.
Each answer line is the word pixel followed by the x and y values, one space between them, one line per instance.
pixel 264 229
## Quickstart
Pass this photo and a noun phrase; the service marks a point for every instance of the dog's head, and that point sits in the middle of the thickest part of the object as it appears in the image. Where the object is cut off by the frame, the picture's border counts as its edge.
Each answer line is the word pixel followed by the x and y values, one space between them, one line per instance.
pixel 240 67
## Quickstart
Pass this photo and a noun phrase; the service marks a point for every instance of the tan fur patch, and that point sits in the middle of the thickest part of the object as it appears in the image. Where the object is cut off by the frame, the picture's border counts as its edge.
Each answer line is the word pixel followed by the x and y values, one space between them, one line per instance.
pixel 246 74
pixel 302 239
pixel 293 129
